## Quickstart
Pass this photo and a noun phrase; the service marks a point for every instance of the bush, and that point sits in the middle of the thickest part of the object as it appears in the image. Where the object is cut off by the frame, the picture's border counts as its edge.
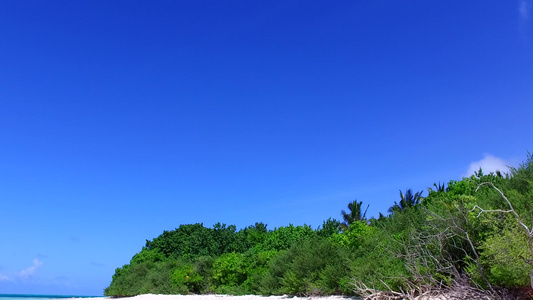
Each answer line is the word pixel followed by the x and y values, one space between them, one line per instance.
pixel 504 255
pixel 229 269
pixel 302 270
pixel 142 278
pixel 187 280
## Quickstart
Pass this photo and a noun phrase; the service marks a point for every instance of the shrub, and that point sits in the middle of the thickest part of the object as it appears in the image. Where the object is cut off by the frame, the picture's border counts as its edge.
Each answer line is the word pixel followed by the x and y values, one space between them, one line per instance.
pixel 187 280
pixel 229 269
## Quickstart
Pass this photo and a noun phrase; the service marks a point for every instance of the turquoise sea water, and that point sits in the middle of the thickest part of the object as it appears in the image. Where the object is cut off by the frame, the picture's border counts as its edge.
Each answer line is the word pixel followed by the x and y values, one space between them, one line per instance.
pixel 40 297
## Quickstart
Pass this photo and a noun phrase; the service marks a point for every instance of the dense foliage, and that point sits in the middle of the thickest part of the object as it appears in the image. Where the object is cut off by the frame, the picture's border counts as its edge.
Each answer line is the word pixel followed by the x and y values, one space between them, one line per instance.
pixel 477 228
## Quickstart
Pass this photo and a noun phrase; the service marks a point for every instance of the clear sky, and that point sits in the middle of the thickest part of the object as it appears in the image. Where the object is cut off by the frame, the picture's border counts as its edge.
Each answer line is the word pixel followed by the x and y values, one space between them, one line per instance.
pixel 121 119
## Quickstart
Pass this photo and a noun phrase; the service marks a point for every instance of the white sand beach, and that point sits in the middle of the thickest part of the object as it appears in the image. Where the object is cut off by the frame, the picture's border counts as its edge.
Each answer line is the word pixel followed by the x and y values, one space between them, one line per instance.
pixel 447 296
pixel 222 297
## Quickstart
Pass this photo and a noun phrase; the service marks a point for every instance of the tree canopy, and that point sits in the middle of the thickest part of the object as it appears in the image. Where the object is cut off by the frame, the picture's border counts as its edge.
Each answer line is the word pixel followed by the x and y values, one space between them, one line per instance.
pixel 475 231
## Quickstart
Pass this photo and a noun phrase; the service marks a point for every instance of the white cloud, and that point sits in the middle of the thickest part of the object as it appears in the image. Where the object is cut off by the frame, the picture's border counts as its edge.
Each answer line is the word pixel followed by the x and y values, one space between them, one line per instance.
pixel 488 164
pixel 31 270
pixel 23 274
pixel 524 8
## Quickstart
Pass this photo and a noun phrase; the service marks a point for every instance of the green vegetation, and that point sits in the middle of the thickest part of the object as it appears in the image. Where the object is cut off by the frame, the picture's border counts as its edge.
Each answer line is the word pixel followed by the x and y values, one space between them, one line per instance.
pixel 476 230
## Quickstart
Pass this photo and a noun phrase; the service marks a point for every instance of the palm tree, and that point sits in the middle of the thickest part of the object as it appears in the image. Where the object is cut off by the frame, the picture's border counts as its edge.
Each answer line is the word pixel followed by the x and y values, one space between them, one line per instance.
pixel 440 187
pixel 353 215
pixel 407 200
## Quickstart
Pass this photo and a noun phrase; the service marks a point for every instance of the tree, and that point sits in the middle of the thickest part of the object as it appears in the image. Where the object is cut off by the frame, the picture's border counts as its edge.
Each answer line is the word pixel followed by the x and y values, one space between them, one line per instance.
pixel 407 200
pixel 255 234
pixel 329 227
pixel 353 215
pixel 439 188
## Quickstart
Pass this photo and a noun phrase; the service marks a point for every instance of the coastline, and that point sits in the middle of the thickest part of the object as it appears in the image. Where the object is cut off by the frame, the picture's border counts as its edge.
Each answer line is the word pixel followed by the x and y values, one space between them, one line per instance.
pixel 440 296
pixel 221 297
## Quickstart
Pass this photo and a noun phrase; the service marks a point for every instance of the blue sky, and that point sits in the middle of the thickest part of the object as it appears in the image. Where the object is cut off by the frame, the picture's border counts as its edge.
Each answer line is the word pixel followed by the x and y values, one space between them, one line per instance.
pixel 121 119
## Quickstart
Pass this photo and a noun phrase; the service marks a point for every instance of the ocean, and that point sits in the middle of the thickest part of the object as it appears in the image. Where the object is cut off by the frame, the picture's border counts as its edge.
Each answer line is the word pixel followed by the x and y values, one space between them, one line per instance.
pixel 40 297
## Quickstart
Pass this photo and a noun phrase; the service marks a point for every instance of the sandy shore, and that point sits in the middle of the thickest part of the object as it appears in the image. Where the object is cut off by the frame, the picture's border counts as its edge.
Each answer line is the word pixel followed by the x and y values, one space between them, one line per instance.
pixel 449 296
pixel 223 297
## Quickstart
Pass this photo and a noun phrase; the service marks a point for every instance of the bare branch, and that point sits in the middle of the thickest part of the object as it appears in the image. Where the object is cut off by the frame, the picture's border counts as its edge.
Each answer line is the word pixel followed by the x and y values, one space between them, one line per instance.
pixel 511 210
pixel 481 210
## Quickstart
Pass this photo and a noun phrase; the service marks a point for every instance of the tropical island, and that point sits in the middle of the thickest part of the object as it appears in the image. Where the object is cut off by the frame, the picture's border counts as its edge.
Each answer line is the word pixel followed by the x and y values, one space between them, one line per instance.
pixel 471 238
